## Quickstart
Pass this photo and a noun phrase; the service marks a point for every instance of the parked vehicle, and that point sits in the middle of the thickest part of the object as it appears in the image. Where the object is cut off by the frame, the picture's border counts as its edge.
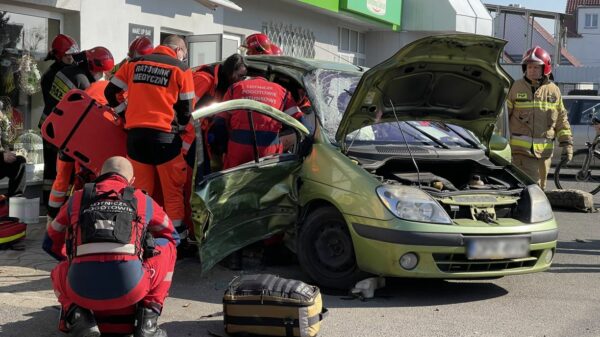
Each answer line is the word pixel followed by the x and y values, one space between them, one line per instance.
pixel 581 109
pixel 401 176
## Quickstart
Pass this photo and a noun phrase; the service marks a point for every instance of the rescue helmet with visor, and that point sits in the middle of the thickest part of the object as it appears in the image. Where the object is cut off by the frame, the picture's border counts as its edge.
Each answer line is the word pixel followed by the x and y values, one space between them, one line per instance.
pixel 537 55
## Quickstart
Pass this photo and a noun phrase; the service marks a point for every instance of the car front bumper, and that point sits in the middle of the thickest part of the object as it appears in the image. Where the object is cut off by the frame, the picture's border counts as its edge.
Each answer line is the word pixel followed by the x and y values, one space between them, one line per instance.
pixel 443 254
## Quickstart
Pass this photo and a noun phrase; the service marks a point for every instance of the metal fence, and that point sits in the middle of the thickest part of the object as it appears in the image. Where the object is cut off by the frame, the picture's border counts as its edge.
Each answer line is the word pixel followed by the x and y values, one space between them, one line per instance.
pixel 293 40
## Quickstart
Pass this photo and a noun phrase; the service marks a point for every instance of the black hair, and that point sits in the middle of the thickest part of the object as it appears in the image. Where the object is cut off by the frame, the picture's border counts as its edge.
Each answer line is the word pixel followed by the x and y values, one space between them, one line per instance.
pixel 229 66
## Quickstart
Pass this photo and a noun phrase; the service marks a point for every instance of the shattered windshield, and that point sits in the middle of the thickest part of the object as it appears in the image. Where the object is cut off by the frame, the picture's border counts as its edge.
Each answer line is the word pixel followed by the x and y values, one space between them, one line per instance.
pixel 330 92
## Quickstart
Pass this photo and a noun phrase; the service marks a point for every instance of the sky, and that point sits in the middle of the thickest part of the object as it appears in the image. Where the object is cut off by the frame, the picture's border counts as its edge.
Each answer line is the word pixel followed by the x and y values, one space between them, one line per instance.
pixel 543 5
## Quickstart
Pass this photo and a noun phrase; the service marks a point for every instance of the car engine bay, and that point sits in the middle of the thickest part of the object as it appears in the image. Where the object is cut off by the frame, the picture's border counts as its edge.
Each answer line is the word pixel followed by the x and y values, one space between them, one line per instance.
pixel 466 189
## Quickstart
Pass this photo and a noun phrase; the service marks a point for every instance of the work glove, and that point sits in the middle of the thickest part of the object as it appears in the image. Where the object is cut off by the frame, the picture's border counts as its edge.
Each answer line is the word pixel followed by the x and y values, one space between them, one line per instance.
pixel 567 152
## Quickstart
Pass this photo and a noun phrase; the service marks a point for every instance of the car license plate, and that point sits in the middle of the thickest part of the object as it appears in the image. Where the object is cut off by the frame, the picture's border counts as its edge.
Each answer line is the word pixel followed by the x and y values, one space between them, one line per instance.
pixel 496 249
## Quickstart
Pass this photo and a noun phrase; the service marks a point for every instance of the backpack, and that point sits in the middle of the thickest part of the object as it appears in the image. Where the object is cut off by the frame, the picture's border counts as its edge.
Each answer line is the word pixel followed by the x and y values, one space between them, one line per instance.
pixel 107 224
pixel 268 305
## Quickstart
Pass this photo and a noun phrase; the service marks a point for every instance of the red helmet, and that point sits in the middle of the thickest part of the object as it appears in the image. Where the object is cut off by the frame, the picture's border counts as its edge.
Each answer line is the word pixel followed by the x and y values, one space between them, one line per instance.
pixel 275 50
pixel 537 55
pixel 258 44
pixel 64 45
pixel 140 46
pixel 99 59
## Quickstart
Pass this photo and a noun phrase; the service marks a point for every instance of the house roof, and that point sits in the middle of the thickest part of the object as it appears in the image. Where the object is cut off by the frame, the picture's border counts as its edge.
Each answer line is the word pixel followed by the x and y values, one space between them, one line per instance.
pixel 572 5
pixel 571 19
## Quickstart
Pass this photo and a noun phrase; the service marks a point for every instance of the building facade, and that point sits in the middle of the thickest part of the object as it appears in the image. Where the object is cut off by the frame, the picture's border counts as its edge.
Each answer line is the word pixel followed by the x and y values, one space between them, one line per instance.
pixel 362 32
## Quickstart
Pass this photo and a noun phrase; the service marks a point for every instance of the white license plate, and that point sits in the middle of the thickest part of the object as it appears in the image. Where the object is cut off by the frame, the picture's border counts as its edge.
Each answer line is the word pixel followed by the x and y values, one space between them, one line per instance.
pixel 496 249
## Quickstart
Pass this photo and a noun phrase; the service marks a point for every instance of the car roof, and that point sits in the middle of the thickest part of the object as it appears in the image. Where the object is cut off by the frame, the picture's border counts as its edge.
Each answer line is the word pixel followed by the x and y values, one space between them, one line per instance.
pixel 591 98
pixel 304 63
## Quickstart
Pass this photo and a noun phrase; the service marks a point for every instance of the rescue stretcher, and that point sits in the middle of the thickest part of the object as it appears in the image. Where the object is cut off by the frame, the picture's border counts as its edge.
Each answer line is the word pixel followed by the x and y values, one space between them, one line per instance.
pixel 85 130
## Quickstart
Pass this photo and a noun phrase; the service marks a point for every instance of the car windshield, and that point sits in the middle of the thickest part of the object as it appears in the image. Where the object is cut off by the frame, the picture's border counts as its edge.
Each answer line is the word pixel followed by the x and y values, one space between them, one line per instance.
pixel 425 133
pixel 330 92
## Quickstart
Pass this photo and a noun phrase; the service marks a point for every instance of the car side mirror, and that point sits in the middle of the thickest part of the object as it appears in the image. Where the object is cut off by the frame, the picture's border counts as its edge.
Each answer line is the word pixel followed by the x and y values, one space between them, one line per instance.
pixel 498 143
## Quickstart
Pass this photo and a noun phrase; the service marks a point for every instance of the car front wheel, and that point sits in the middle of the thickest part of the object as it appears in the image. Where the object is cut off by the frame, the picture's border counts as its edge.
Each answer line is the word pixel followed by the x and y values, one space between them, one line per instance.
pixel 325 250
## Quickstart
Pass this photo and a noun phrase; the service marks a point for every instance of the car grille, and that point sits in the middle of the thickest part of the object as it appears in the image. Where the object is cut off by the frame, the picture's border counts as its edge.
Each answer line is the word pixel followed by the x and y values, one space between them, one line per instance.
pixel 458 263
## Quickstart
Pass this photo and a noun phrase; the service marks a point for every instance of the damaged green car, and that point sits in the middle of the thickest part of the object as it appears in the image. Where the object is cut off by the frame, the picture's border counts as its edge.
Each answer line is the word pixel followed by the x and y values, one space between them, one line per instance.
pixel 395 171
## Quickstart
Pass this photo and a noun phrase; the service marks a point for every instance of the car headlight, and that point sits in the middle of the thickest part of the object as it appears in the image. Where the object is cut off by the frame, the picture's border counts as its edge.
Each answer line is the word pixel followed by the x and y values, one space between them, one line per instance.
pixel 540 209
pixel 411 203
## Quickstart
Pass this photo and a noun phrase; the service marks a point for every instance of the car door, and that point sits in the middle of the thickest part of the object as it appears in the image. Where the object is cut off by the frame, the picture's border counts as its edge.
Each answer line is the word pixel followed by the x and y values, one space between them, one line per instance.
pixel 244 204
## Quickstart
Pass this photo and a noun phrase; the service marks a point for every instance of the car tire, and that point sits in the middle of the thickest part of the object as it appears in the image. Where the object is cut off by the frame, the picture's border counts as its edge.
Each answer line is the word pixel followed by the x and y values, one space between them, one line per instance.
pixel 326 251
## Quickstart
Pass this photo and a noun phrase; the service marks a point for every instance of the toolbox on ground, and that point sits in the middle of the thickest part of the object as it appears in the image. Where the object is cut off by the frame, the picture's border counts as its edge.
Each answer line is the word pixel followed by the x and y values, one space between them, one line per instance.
pixel 268 305
pixel 84 130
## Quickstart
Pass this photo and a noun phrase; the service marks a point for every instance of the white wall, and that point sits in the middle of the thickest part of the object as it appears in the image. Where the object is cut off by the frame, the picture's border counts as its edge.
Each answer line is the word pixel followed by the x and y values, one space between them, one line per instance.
pixel 102 25
pixel 585 48
pixel 581 12
pixel 382 45
pixel 467 16
pixel 257 12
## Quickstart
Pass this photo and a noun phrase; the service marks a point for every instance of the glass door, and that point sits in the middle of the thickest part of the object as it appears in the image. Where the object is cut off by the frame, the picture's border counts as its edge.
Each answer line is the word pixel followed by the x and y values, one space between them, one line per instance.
pixel 204 49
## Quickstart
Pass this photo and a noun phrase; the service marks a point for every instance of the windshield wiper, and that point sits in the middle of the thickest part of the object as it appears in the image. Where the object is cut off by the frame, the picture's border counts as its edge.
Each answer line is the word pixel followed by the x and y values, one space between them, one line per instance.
pixel 435 140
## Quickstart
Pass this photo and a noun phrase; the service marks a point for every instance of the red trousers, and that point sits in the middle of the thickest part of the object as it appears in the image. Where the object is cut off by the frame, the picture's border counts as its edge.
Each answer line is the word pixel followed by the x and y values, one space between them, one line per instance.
pixel 153 287
pixel 172 176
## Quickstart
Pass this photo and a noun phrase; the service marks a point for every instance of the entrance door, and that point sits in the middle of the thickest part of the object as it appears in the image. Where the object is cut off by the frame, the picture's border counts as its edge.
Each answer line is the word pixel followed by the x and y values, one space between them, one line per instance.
pixel 231 44
pixel 204 49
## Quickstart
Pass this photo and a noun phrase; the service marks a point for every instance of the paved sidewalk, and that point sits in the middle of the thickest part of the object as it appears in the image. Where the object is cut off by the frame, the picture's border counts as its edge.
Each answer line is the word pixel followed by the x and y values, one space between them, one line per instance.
pixel 29 307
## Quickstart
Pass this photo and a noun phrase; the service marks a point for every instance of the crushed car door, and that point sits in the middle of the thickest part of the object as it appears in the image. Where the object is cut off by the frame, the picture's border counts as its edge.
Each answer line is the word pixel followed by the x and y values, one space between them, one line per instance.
pixel 245 204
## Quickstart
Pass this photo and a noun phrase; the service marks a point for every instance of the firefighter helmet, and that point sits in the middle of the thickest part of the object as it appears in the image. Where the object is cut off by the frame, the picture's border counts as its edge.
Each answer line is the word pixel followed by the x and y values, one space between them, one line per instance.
pixel 99 59
pixel 63 45
pixel 275 50
pixel 258 44
pixel 537 55
pixel 140 46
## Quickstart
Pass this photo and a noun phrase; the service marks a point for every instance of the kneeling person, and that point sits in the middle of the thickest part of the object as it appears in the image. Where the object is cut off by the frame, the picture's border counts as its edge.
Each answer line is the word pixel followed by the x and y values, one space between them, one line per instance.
pixel 117 248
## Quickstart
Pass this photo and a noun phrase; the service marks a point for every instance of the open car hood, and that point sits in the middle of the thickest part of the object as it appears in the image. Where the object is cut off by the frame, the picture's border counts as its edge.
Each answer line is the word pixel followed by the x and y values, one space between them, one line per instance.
pixel 248 104
pixel 451 78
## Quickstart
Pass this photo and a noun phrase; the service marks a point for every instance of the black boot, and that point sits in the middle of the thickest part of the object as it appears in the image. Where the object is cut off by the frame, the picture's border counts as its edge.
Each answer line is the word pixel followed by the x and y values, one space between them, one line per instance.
pixel 146 323
pixel 81 323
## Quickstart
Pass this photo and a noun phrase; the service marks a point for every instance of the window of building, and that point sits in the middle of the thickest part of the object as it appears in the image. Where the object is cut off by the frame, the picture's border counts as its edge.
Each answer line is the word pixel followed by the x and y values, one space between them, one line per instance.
pixel 591 21
pixel 351 46
pixel 24 44
pixel 293 40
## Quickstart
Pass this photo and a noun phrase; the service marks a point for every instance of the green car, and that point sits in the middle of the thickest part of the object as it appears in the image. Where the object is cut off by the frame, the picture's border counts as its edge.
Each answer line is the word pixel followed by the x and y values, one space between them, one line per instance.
pixel 395 171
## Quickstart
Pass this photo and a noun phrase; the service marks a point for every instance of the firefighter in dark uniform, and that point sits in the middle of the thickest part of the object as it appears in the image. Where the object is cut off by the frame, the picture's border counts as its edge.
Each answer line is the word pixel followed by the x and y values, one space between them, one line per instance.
pixel 63 49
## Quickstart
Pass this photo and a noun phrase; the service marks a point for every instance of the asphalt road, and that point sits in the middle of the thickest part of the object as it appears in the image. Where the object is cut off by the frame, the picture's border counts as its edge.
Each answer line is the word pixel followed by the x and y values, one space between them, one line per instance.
pixel 564 301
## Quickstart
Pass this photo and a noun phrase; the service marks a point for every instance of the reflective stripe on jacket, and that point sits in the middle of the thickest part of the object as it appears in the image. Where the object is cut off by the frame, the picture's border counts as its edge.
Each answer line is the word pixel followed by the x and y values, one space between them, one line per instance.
pixel 537 117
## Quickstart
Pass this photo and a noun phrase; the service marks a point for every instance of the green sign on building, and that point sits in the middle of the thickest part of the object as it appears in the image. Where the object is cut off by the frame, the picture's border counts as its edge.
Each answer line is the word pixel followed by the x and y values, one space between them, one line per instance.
pixel 382 10
pixel 331 5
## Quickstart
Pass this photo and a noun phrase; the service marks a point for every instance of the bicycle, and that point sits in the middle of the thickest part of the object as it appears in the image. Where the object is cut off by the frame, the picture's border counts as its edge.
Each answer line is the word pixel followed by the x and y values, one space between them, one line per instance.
pixel 583 171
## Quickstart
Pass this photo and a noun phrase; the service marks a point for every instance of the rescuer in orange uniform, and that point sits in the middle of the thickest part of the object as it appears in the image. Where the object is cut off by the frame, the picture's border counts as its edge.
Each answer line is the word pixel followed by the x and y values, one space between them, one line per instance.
pixel 160 100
